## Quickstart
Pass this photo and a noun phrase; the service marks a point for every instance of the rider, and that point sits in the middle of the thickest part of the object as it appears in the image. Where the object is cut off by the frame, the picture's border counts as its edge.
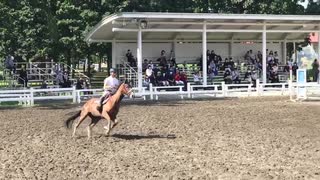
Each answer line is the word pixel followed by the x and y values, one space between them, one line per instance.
pixel 110 87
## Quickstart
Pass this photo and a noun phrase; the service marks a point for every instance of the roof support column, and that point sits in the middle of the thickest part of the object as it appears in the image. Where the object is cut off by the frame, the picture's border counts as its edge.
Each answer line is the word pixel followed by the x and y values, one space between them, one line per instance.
pixel 294 52
pixel 264 54
pixel 319 43
pixel 284 52
pixel 139 58
pixel 204 53
pixel 114 52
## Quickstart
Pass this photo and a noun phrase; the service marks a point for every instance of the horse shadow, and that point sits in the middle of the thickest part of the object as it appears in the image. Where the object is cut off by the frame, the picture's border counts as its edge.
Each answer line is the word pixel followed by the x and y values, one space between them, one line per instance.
pixel 140 137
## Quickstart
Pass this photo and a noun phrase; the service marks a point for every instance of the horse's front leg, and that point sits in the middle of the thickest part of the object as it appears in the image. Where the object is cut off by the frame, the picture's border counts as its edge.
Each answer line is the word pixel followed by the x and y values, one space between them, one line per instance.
pixel 109 125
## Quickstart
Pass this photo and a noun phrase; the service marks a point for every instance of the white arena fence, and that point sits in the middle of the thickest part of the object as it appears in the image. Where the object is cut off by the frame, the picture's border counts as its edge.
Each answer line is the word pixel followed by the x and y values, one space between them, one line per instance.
pixel 310 91
pixel 28 97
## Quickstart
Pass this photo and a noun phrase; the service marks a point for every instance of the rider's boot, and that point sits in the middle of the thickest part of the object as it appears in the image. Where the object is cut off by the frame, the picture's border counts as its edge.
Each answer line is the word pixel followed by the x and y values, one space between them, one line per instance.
pixel 100 107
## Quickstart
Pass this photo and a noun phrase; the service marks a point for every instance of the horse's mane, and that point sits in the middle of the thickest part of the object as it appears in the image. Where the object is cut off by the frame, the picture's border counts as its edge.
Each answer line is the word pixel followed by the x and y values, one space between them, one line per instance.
pixel 120 85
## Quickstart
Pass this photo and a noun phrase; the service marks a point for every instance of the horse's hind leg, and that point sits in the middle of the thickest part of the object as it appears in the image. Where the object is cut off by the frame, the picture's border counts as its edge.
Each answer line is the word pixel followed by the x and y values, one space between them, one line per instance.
pixel 82 117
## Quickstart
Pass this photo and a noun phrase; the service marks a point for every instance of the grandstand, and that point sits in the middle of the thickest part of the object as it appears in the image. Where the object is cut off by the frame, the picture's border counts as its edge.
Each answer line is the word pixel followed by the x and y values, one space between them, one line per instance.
pixel 190 35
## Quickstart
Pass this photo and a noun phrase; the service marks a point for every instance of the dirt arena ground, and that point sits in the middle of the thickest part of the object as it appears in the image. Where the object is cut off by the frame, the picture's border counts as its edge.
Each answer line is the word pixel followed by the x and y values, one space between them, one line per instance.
pixel 248 138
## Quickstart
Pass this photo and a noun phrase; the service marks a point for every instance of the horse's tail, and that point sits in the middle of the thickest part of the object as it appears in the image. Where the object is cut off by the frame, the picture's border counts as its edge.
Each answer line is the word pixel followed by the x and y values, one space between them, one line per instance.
pixel 71 119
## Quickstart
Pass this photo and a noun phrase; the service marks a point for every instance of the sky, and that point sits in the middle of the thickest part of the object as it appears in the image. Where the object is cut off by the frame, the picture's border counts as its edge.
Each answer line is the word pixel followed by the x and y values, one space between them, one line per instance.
pixel 305 3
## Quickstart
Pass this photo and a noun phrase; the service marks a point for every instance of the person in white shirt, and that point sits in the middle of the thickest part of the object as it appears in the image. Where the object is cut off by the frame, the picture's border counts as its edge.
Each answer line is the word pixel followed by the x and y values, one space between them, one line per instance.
pixel 110 87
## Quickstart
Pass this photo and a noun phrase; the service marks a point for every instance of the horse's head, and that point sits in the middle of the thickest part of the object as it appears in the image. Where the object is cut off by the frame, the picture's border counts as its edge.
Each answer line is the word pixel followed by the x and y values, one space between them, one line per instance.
pixel 126 89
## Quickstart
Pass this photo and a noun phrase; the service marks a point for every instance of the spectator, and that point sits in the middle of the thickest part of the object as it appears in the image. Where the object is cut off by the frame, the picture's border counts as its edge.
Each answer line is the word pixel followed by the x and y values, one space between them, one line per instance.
pixel 253 77
pixel 79 84
pixel 163 59
pixel 171 78
pixel 9 63
pixel 276 57
pixel 315 69
pixel 130 58
pixel 172 59
pixel 178 78
pixel 184 79
pixel 44 84
pixel 145 65
pixel 23 77
pixel 236 76
pixel 227 76
pixel 259 57
pixel 252 57
pixel 196 78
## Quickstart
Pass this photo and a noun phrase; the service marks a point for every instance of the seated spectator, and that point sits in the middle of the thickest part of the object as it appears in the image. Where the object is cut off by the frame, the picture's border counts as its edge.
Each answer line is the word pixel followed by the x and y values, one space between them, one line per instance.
pixel 151 64
pixel 178 78
pixel 196 78
pixel 161 79
pixel 184 79
pixel 236 76
pixel 44 84
pixel 79 84
pixel 227 76
pixel 171 79
pixel 253 78
pixel 286 67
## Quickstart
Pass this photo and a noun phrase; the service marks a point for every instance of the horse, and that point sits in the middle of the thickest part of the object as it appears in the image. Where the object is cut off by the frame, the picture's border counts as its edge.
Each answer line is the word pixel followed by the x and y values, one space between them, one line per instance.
pixel 109 111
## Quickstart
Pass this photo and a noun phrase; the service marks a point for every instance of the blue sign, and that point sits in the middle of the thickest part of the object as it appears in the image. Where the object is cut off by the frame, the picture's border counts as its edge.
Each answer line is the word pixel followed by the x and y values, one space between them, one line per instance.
pixel 301 79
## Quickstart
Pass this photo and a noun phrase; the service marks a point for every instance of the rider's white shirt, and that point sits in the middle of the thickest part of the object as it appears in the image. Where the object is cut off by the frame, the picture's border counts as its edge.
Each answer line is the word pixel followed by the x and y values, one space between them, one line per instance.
pixel 112 82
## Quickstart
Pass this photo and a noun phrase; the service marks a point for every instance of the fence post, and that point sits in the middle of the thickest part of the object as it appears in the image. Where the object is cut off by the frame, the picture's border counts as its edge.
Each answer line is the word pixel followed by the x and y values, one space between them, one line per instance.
pixel 78 97
pixel 258 86
pixel 144 93
pixel 282 89
pixel 249 89
pixel 151 91
pixel 223 88
pixel 31 97
pixel 189 90
pixel 74 94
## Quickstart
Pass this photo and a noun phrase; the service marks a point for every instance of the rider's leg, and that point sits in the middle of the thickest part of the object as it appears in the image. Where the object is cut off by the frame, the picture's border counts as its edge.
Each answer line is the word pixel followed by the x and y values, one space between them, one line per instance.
pixel 103 97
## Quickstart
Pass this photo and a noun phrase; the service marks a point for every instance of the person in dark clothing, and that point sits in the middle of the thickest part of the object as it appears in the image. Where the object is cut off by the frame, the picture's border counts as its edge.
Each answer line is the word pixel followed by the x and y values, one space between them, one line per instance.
pixel 23 77
pixel 315 69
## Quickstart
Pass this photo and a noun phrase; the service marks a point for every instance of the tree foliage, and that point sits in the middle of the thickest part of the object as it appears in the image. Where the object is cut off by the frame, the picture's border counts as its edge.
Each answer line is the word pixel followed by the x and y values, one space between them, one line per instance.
pixel 34 28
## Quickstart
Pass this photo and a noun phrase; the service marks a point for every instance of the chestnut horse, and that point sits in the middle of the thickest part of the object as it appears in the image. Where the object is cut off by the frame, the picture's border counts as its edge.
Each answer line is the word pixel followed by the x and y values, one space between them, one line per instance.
pixel 109 111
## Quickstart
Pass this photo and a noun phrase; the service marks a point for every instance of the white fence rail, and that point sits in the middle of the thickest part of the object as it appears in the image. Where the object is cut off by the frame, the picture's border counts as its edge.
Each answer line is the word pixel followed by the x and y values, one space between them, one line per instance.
pixel 28 97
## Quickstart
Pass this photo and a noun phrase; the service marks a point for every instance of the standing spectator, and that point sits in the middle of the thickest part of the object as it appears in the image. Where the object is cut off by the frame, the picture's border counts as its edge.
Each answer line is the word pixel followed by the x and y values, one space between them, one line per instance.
pixel 145 65
pixel 130 58
pixel 276 57
pixel 163 59
pixel 315 69
pixel 173 59
pixel 9 63
pixel 23 77
pixel 259 57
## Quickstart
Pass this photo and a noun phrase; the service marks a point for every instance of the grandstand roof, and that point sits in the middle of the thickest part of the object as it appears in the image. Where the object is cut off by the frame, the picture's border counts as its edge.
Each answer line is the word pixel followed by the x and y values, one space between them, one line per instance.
pixel 188 26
